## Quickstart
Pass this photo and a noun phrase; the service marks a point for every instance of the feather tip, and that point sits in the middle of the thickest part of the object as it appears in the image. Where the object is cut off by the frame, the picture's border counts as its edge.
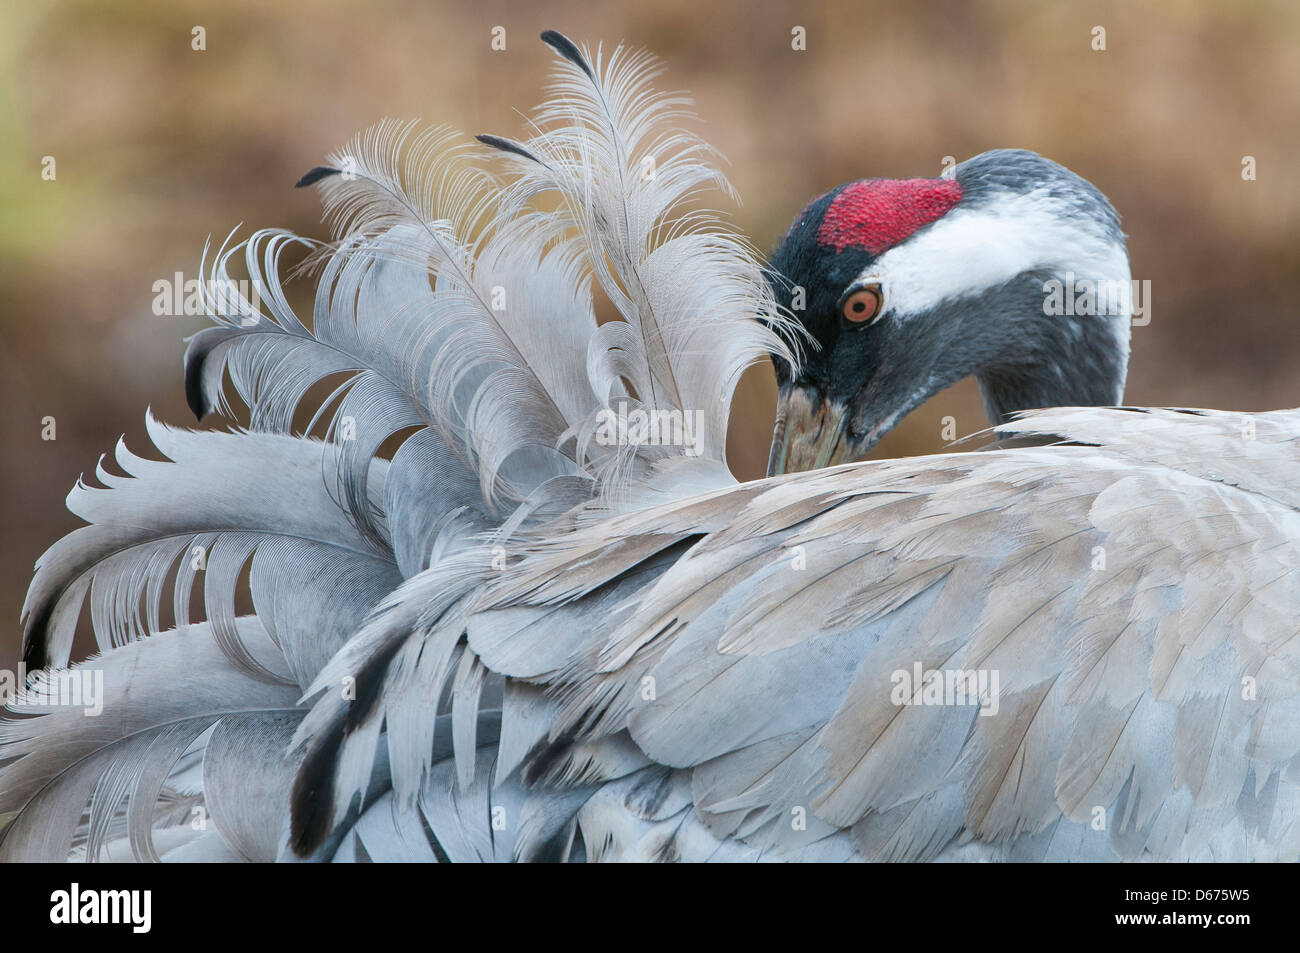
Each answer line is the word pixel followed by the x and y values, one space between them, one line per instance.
pixel 568 49
pixel 315 175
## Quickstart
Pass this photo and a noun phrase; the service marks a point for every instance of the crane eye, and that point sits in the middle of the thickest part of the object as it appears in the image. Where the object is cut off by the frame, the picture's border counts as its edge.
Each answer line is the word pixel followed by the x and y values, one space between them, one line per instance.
pixel 863 305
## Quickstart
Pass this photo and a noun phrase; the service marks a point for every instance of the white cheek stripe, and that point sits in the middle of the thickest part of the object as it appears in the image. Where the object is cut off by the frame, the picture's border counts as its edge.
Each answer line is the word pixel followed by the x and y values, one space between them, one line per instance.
pixel 970 250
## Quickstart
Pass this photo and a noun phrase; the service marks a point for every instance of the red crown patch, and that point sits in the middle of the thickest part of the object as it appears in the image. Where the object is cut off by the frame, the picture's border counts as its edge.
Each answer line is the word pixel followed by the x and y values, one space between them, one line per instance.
pixel 877 214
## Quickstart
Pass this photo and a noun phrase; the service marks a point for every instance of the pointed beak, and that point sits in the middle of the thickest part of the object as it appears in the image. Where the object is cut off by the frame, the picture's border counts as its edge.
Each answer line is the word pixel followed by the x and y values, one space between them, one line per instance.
pixel 810 432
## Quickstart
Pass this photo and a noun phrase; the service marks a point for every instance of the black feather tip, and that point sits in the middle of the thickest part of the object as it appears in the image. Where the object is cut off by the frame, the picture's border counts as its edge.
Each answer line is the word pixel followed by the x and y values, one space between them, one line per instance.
pixel 315 175
pixel 568 49
pixel 311 813
pixel 195 354
pixel 507 145
pixel 313 796
pixel 36 646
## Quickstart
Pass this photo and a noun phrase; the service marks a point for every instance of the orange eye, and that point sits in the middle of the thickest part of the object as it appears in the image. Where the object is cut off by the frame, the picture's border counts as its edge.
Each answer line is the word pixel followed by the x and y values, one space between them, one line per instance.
pixel 863 305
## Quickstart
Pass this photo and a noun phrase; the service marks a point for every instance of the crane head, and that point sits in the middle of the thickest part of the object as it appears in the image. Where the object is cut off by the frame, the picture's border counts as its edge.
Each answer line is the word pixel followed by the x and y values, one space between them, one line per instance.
pixel 906 286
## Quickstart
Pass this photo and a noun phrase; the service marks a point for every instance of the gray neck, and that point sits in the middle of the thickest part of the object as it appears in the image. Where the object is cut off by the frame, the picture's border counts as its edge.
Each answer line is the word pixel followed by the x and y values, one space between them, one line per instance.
pixel 1058 361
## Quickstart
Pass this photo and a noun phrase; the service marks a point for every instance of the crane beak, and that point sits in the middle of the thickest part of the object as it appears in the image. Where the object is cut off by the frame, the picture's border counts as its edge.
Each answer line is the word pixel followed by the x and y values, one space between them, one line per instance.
pixel 809 434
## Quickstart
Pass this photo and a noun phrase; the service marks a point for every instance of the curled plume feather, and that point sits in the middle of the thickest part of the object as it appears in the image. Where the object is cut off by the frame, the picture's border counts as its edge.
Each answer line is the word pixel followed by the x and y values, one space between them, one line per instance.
pixel 696 308
pixel 452 320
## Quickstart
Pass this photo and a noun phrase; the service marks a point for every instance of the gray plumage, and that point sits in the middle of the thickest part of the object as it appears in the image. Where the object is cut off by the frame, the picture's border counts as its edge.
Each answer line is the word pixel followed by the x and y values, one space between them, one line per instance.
pixel 515 641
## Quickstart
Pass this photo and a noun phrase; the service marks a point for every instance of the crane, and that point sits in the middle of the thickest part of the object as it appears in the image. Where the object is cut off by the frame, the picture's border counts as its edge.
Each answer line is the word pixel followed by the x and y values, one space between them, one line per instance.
pixel 544 630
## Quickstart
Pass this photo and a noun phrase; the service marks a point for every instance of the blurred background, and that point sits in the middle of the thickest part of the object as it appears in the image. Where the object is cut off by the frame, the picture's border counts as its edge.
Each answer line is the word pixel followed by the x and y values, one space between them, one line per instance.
pixel 158 146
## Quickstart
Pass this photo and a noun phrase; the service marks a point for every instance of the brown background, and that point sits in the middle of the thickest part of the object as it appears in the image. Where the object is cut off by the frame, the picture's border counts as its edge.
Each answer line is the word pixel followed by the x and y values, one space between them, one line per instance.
pixel 158 147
